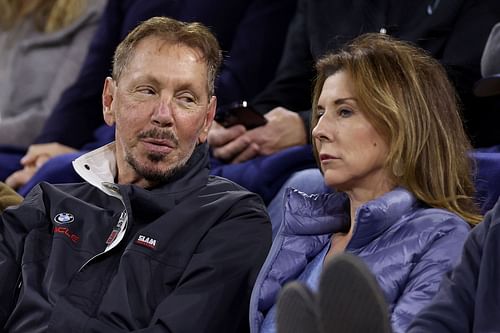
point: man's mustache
(159, 135)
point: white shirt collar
(98, 168)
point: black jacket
(182, 257)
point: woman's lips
(327, 157)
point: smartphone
(239, 114)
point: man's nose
(163, 114)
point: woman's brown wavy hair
(406, 95)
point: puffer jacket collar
(329, 213)
(376, 216)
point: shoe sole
(350, 299)
(296, 310)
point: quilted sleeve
(441, 255)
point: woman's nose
(319, 131)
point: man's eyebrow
(142, 79)
(147, 78)
(186, 86)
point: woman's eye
(345, 113)
(320, 113)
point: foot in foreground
(349, 300)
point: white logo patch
(146, 241)
(64, 218)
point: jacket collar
(98, 168)
(376, 216)
(325, 214)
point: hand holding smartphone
(239, 114)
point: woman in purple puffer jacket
(389, 139)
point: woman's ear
(107, 101)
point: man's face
(161, 109)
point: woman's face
(351, 152)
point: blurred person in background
(43, 44)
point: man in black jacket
(150, 242)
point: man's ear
(209, 118)
(107, 101)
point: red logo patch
(66, 232)
(112, 237)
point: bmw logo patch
(64, 218)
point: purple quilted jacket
(406, 244)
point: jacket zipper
(119, 229)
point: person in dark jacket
(396, 158)
(149, 242)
